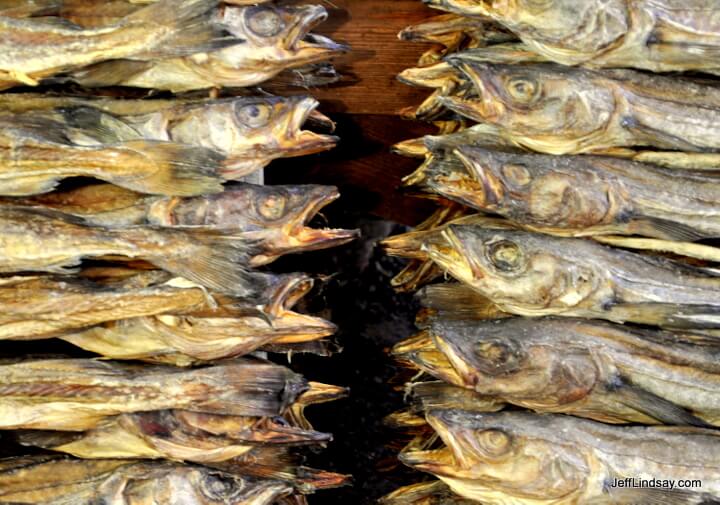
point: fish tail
(167, 168)
(246, 389)
(209, 258)
(183, 28)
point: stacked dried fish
(572, 357)
(157, 266)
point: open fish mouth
(438, 462)
(308, 48)
(308, 238)
(304, 142)
(491, 192)
(449, 253)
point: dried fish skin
(656, 35)
(249, 132)
(119, 482)
(36, 154)
(275, 218)
(42, 240)
(76, 394)
(606, 372)
(566, 110)
(37, 307)
(175, 435)
(516, 457)
(584, 194)
(189, 340)
(33, 49)
(538, 275)
(276, 38)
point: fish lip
(425, 461)
(285, 293)
(304, 142)
(491, 193)
(308, 47)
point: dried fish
(523, 458)
(536, 275)
(77, 394)
(606, 372)
(275, 38)
(48, 480)
(425, 493)
(564, 110)
(36, 48)
(657, 35)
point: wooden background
(366, 110)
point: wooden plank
(371, 28)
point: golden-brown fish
(523, 458)
(657, 35)
(35, 48)
(77, 394)
(176, 435)
(564, 110)
(33, 239)
(610, 373)
(274, 217)
(275, 38)
(50, 480)
(535, 275)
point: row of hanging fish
(150, 272)
(569, 325)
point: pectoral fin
(668, 315)
(652, 405)
(662, 228)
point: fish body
(655, 35)
(36, 153)
(584, 194)
(249, 132)
(176, 435)
(49, 480)
(564, 110)
(536, 275)
(75, 395)
(602, 371)
(275, 38)
(32, 49)
(34, 308)
(275, 218)
(523, 458)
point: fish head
(208, 487)
(540, 190)
(537, 100)
(283, 215)
(516, 360)
(494, 450)
(521, 272)
(578, 27)
(279, 36)
(423, 353)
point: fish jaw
(305, 48)
(299, 142)
(462, 367)
(436, 462)
(492, 189)
(297, 236)
(421, 351)
(450, 255)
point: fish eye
(523, 89)
(264, 21)
(254, 115)
(218, 486)
(496, 357)
(271, 207)
(494, 442)
(517, 174)
(505, 255)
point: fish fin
(652, 405)
(100, 125)
(108, 73)
(668, 315)
(662, 228)
(687, 161)
(46, 439)
(266, 463)
(457, 299)
(637, 127)
(172, 169)
(214, 260)
(190, 26)
(656, 496)
(440, 395)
